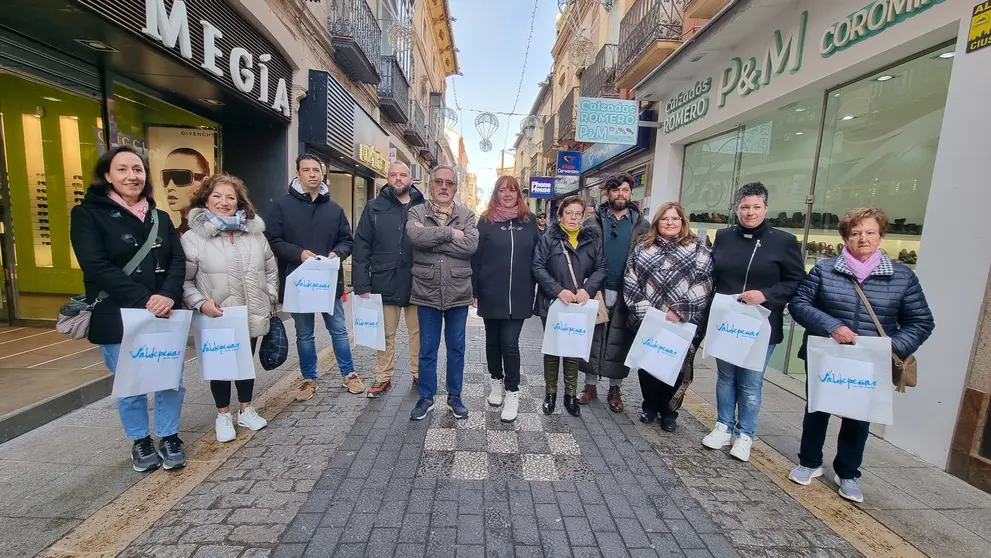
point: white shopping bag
(312, 287)
(152, 352)
(223, 345)
(738, 333)
(569, 329)
(852, 381)
(660, 346)
(368, 319)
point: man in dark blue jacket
(383, 264)
(305, 224)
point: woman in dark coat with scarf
(567, 239)
(671, 270)
(108, 229)
(828, 304)
(503, 285)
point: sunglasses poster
(181, 158)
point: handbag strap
(870, 309)
(141, 254)
(570, 267)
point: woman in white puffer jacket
(229, 263)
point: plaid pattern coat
(669, 276)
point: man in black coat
(383, 264)
(305, 224)
(620, 223)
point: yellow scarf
(572, 235)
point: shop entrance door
(50, 144)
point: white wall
(924, 418)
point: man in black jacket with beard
(303, 224)
(383, 264)
(619, 223)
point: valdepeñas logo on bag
(655, 346)
(833, 377)
(358, 322)
(569, 330)
(732, 329)
(220, 348)
(304, 283)
(151, 353)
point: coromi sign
(243, 67)
(209, 36)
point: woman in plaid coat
(671, 270)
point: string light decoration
(486, 124)
(401, 35)
(450, 118)
(526, 56)
(529, 126)
(581, 48)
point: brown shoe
(615, 400)
(306, 390)
(353, 383)
(588, 395)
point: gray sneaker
(804, 475)
(850, 489)
(143, 456)
(171, 449)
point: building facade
(203, 86)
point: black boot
(571, 405)
(550, 400)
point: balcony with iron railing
(566, 118)
(535, 165)
(430, 151)
(550, 139)
(415, 132)
(703, 9)
(599, 79)
(357, 39)
(649, 32)
(393, 91)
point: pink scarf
(861, 270)
(500, 213)
(139, 209)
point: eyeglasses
(181, 177)
(866, 234)
(572, 213)
(670, 219)
(442, 182)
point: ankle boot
(571, 405)
(550, 401)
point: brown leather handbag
(904, 372)
(602, 314)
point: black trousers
(657, 395)
(221, 390)
(502, 351)
(849, 448)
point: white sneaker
(251, 420)
(719, 438)
(511, 407)
(741, 447)
(225, 428)
(497, 393)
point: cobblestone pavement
(342, 475)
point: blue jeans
(337, 325)
(134, 410)
(454, 322)
(736, 385)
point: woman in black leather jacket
(827, 305)
(566, 239)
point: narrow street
(343, 475)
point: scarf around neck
(139, 209)
(861, 270)
(441, 213)
(228, 223)
(500, 213)
(572, 235)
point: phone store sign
(239, 67)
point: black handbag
(274, 348)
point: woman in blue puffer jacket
(827, 305)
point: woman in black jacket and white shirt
(108, 229)
(566, 240)
(503, 285)
(760, 265)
